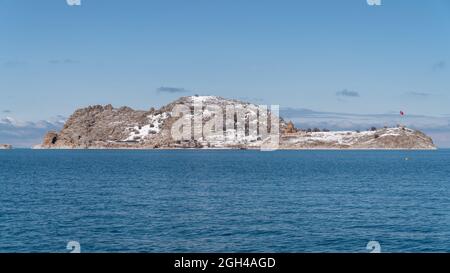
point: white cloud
(21, 133)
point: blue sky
(330, 56)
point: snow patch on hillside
(348, 137)
(141, 132)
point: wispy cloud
(251, 99)
(13, 63)
(7, 111)
(165, 89)
(441, 65)
(418, 94)
(347, 93)
(63, 61)
(27, 133)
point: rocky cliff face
(108, 127)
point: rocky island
(5, 146)
(106, 127)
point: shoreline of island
(231, 149)
(105, 127)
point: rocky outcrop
(386, 138)
(5, 146)
(106, 127)
(290, 128)
(50, 138)
(95, 126)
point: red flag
(402, 113)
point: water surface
(224, 201)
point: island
(5, 146)
(106, 127)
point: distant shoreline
(236, 149)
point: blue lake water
(224, 201)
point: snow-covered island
(5, 146)
(385, 138)
(106, 127)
